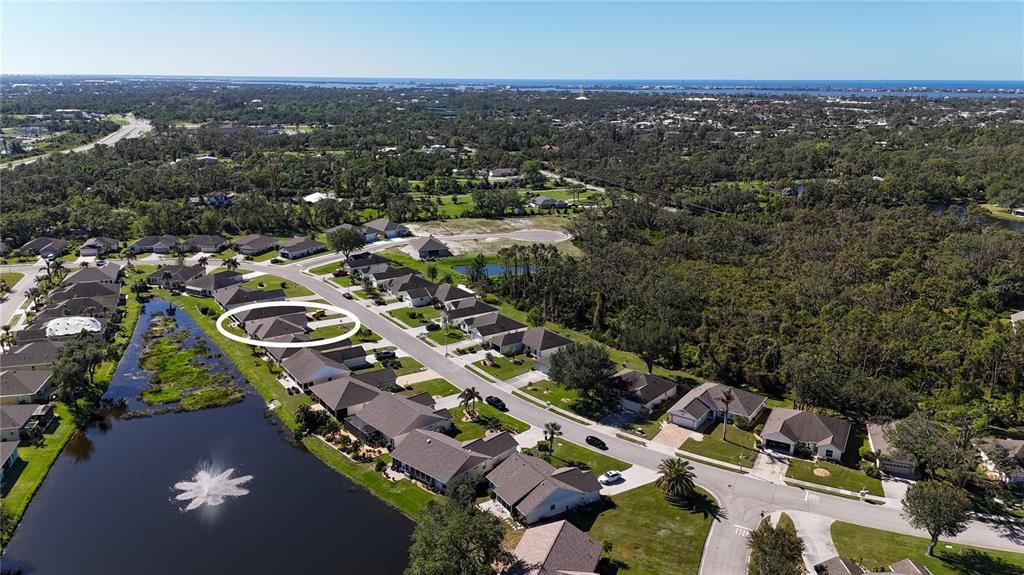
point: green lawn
(839, 476)
(875, 548)
(269, 282)
(329, 331)
(446, 336)
(365, 335)
(649, 535)
(507, 368)
(409, 365)
(473, 430)
(345, 281)
(266, 256)
(569, 454)
(21, 483)
(326, 268)
(546, 390)
(437, 386)
(11, 278)
(740, 448)
(415, 316)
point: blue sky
(623, 40)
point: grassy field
(21, 483)
(839, 476)
(326, 268)
(329, 331)
(568, 454)
(409, 365)
(269, 282)
(11, 278)
(506, 368)
(649, 535)
(266, 256)
(1002, 213)
(437, 386)
(446, 336)
(875, 548)
(415, 316)
(740, 448)
(473, 430)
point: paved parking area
(673, 436)
(770, 466)
(631, 479)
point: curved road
(133, 129)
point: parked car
(609, 477)
(433, 326)
(385, 354)
(101, 263)
(596, 442)
(339, 273)
(346, 295)
(496, 403)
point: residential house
(172, 276)
(547, 203)
(541, 343)
(532, 489)
(352, 357)
(343, 396)
(705, 403)
(209, 284)
(308, 367)
(98, 306)
(24, 421)
(369, 236)
(208, 244)
(300, 247)
(8, 456)
(557, 548)
(385, 227)
(1009, 451)
(795, 432)
(218, 200)
(490, 325)
(459, 312)
(428, 248)
(98, 246)
(446, 294)
(384, 379)
(86, 289)
(31, 355)
(412, 288)
(279, 354)
(502, 173)
(380, 274)
(838, 566)
(236, 296)
(255, 244)
(388, 417)
(24, 385)
(357, 263)
(437, 460)
(277, 326)
(909, 567)
(644, 392)
(45, 246)
(155, 244)
(890, 460)
(506, 343)
(108, 274)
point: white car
(609, 477)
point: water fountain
(208, 487)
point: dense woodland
(850, 294)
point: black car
(596, 442)
(385, 354)
(496, 403)
(346, 295)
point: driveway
(770, 466)
(815, 530)
(632, 478)
(674, 436)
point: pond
(960, 210)
(491, 270)
(109, 505)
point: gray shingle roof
(427, 244)
(178, 273)
(394, 415)
(344, 392)
(215, 281)
(238, 295)
(708, 396)
(838, 566)
(493, 323)
(447, 292)
(256, 242)
(306, 365)
(525, 481)
(556, 548)
(805, 426)
(469, 308)
(436, 455)
(107, 273)
(909, 567)
(22, 381)
(88, 289)
(543, 339)
(644, 387)
(16, 416)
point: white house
(706, 403)
(541, 343)
(437, 460)
(1011, 451)
(802, 432)
(98, 246)
(890, 460)
(532, 489)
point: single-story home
(532, 489)
(890, 460)
(447, 294)
(383, 379)
(300, 247)
(37, 354)
(308, 367)
(490, 325)
(385, 227)
(466, 309)
(209, 284)
(208, 244)
(644, 392)
(87, 289)
(24, 421)
(705, 403)
(353, 357)
(428, 248)
(368, 235)
(8, 456)
(173, 275)
(281, 325)
(909, 567)
(45, 246)
(343, 396)
(554, 549)
(388, 417)
(794, 431)
(548, 203)
(384, 273)
(24, 385)
(541, 343)
(1010, 451)
(108, 274)
(359, 262)
(98, 246)
(437, 460)
(502, 173)
(235, 296)
(155, 244)
(838, 566)
(97, 306)
(255, 244)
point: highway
(133, 129)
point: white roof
(315, 197)
(72, 325)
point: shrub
(870, 469)
(741, 422)
(866, 453)
(380, 466)
(758, 429)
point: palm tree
(675, 479)
(727, 398)
(138, 287)
(552, 429)
(5, 337)
(231, 264)
(468, 398)
(129, 255)
(34, 293)
(85, 265)
(203, 260)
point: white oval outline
(295, 344)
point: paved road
(743, 498)
(16, 297)
(133, 129)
